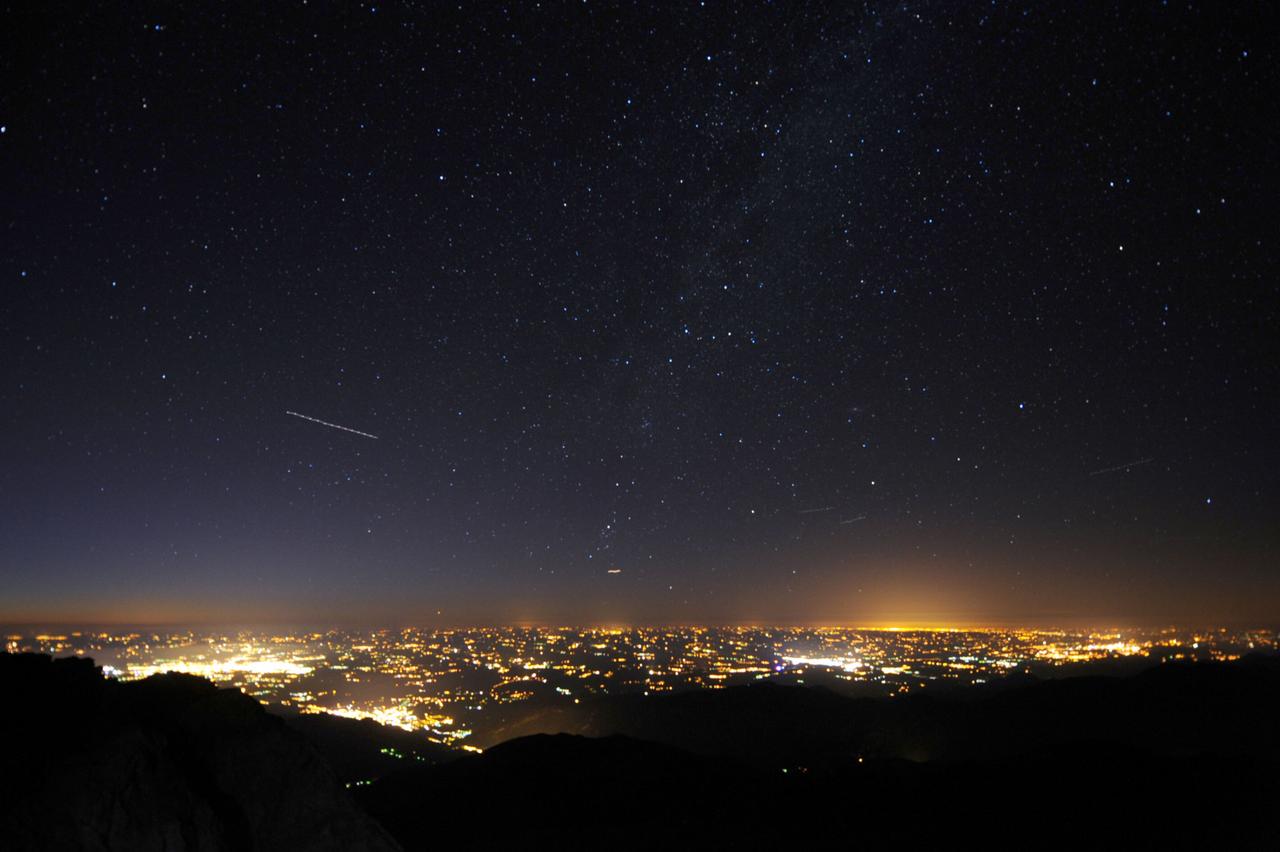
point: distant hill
(1186, 756)
(568, 792)
(1175, 709)
(361, 749)
(168, 763)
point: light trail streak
(333, 425)
(1125, 466)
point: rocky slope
(169, 763)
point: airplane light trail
(332, 425)
(1125, 466)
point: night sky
(865, 313)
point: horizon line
(887, 626)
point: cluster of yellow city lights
(841, 663)
(218, 670)
(442, 683)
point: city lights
(449, 684)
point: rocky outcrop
(169, 763)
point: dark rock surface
(168, 763)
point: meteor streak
(333, 425)
(1125, 466)
(812, 511)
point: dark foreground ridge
(1186, 756)
(167, 763)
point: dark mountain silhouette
(361, 749)
(1174, 708)
(569, 792)
(562, 791)
(1181, 755)
(167, 763)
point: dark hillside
(361, 749)
(1186, 756)
(167, 763)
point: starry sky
(686, 312)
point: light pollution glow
(220, 669)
